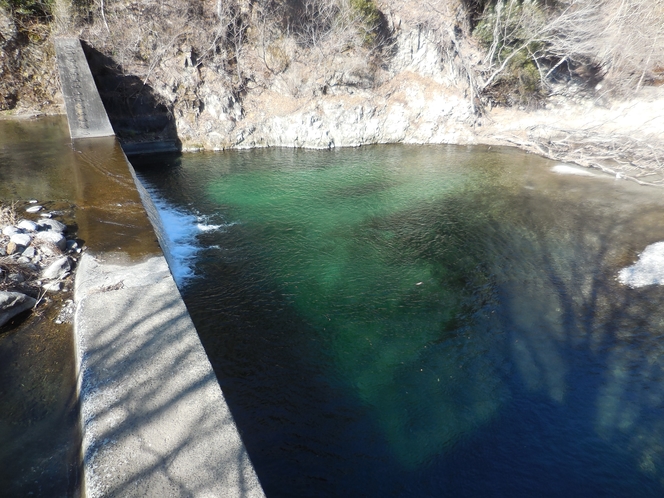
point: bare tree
(621, 38)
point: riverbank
(621, 137)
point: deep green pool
(424, 321)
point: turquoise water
(424, 321)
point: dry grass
(8, 214)
(9, 266)
(637, 159)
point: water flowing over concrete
(153, 417)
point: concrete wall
(154, 420)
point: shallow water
(424, 321)
(89, 183)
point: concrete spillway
(85, 111)
(153, 417)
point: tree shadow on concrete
(138, 115)
(153, 416)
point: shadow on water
(136, 112)
(582, 357)
(459, 334)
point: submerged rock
(52, 286)
(13, 303)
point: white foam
(207, 228)
(179, 234)
(648, 270)
(564, 169)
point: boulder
(10, 230)
(57, 270)
(52, 225)
(13, 303)
(16, 278)
(27, 225)
(53, 237)
(21, 239)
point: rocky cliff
(385, 72)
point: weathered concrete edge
(86, 114)
(136, 347)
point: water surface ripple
(426, 321)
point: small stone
(23, 260)
(27, 225)
(60, 268)
(49, 250)
(17, 278)
(13, 303)
(14, 248)
(3, 251)
(10, 230)
(52, 225)
(46, 215)
(53, 237)
(29, 252)
(33, 209)
(33, 201)
(21, 239)
(52, 286)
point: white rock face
(648, 270)
(420, 98)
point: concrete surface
(154, 420)
(85, 112)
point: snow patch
(648, 270)
(564, 169)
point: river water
(424, 320)
(88, 185)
